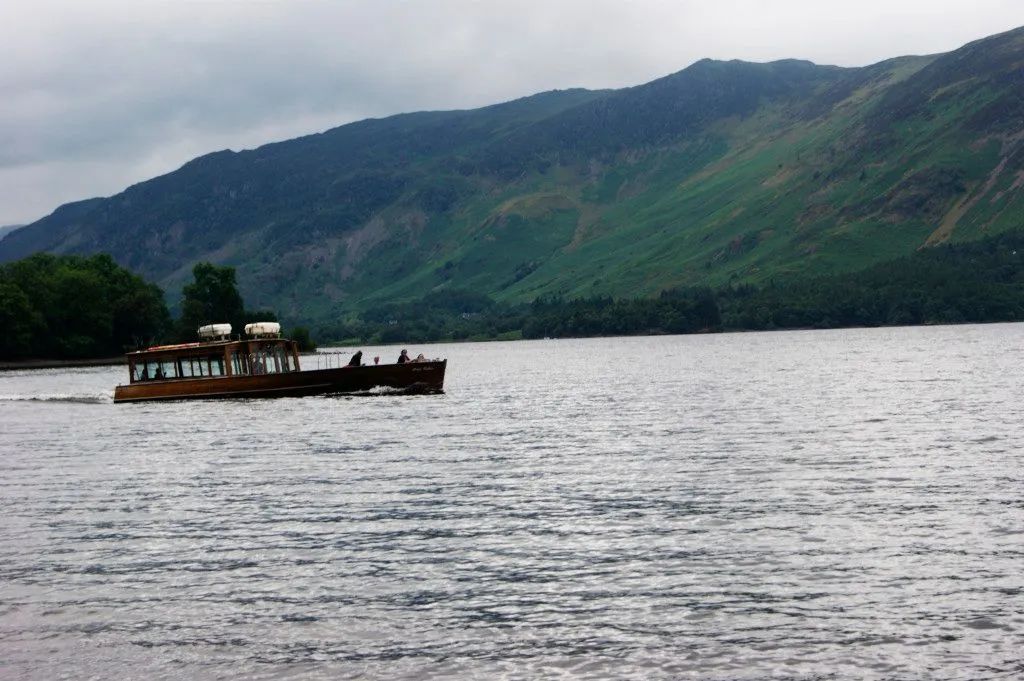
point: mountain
(7, 229)
(723, 172)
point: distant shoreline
(60, 363)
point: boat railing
(328, 360)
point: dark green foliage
(442, 315)
(212, 298)
(974, 282)
(24, 326)
(461, 315)
(72, 307)
(300, 335)
(678, 311)
(258, 316)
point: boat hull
(414, 377)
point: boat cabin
(262, 351)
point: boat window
(148, 371)
(273, 361)
(167, 369)
(291, 361)
(217, 365)
(283, 358)
(265, 361)
(239, 367)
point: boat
(260, 363)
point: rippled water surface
(805, 505)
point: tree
(22, 325)
(300, 334)
(76, 307)
(211, 299)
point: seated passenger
(420, 358)
(404, 357)
(357, 359)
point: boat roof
(201, 346)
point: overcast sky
(96, 95)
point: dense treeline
(77, 307)
(462, 315)
(73, 307)
(975, 282)
(444, 315)
(679, 311)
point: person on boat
(357, 359)
(258, 367)
(404, 357)
(420, 358)
(376, 359)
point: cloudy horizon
(104, 95)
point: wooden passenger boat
(260, 364)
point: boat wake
(382, 391)
(73, 399)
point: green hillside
(726, 172)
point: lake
(789, 505)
